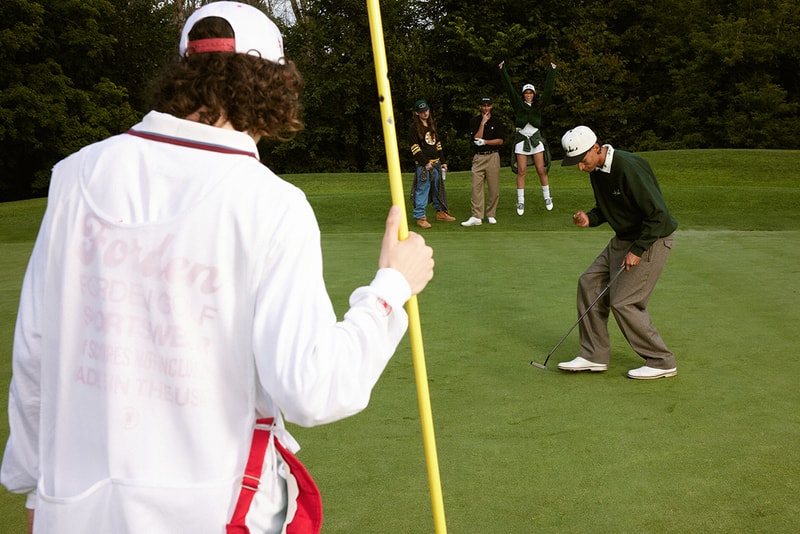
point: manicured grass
(520, 449)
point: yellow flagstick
(414, 329)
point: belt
(486, 152)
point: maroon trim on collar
(190, 144)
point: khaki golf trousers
(627, 299)
(485, 169)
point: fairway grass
(524, 450)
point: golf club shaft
(597, 298)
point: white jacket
(174, 294)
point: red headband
(203, 46)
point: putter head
(539, 365)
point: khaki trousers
(627, 299)
(485, 170)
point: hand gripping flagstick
(415, 334)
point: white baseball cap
(576, 143)
(254, 33)
(528, 86)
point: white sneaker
(492, 220)
(472, 221)
(548, 203)
(520, 208)
(649, 373)
(582, 364)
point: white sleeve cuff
(391, 286)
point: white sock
(521, 196)
(546, 191)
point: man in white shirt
(174, 313)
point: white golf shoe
(472, 221)
(548, 203)
(492, 220)
(582, 364)
(649, 373)
(520, 208)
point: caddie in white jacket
(175, 295)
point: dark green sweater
(629, 199)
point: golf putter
(597, 298)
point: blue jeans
(427, 191)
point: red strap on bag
(308, 516)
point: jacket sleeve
(315, 368)
(595, 215)
(413, 141)
(514, 96)
(20, 469)
(549, 85)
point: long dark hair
(421, 129)
(256, 96)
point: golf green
(521, 449)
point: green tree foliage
(338, 118)
(646, 75)
(146, 34)
(332, 48)
(55, 90)
(738, 82)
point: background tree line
(666, 74)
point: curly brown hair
(256, 96)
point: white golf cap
(254, 33)
(576, 143)
(528, 86)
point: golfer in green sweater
(628, 198)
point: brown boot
(423, 223)
(444, 216)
